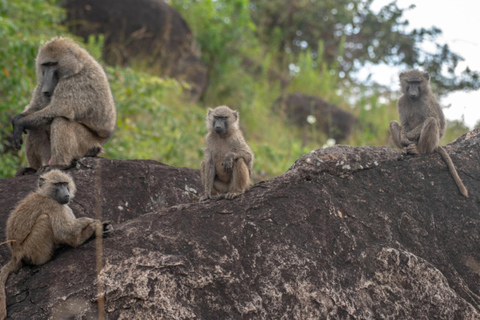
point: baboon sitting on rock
(43, 221)
(423, 123)
(228, 160)
(72, 112)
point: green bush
(155, 119)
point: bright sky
(460, 22)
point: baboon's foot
(411, 149)
(232, 195)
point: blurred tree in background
(368, 36)
(256, 51)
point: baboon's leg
(74, 233)
(203, 177)
(220, 187)
(429, 137)
(37, 148)
(240, 179)
(202, 172)
(39, 245)
(71, 140)
(395, 132)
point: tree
(370, 37)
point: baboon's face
(414, 89)
(222, 120)
(220, 124)
(57, 185)
(57, 59)
(414, 83)
(61, 193)
(49, 77)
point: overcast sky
(460, 22)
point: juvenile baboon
(72, 112)
(423, 122)
(41, 222)
(228, 160)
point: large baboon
(423, 122)
(72, 112)
(228, 160)
(41, 222)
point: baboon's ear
(402, 75)
(209, 111)
(427, 76)
(235, 114)
(72, 63)
(41, 182)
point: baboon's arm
(404, 136)
(44, 116)
(37, 119)
(247, 155)
(37, 102)
(74, 232)
(414, 134)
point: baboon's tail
(461, 187)
(10, 267)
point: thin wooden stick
(99, 241)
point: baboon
(228, 160)
(72, 112)
(43, 221)
(423, 122)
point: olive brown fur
(72, 111)
(228, 160)
(422, 121)
(41, 222)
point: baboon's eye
(50, 64)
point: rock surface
(146, 32)
(345, 233)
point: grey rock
(346, 233)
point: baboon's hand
(17, 137)
(18, 129)
(227, 163)
(107, 227)
(412, 136)
(404, 141)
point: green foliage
(254, 55)
(24, 25)
(370, 37)
(225, 35)
(153, 122)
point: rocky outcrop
(141, 32)
(345, 233)
(304, 111)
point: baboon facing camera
(228, 160)
(72, 112)
(43, 221)
(423, 123)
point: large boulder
(345, 233)
(141, 32)
(326, 117)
